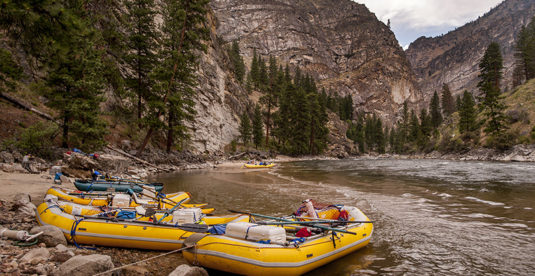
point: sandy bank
(34, 184)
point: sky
(410, 19)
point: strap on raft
(73, 234)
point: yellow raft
(253, 166)
(245, 257)
(137, 233)
(100, 199)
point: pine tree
(458, 102)
(237, 61)
(272, 90)
(414, 127)
(183, 33)
(426, 125)
(525, 54)
(245, 128)
(467, 113)
(74, 83)
(258, 132)
(380, 140)
(434, 109)
(491, 67)
(448, 103)
(140, 56)
(255, 70)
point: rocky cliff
(219, 101)
(340, 43)
(454, 58)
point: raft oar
(171, 211)
(190, 227)
(307, 222)
(294, 222)
(319, 220)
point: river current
(431, 216)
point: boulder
(84, 265)
(135, 270)
(52, 235)
(11, 168)
(114, 163)
(80, 161)
(62, 256)
(35, 256)
(17, 156)
(6, 157)
(186, 270)
(21, 199)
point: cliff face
(219, 100)
(340, 43)
(454, 58)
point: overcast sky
(411, 19)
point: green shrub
(233, 146)
(37, 139)
(533, 134)
(502, 141)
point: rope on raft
(73, 234)
(144, 260)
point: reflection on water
(432, 216)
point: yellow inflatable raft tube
(134, 233)
(101, 199)
(253, 166)
(247, 257)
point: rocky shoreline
(54, 256)
(518, 153)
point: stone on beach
(85, 265)
(52, 235)
(35, 256)
(186, 270)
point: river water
(431, 216)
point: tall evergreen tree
(414, 127)
(255, 70)
(237, 61)
(467, 113)
(434, 109)
(272, 90)
(140, 56)
(183, 35)
(258, 132)
(448, 103)
(426, 125)
(525, 54)
(490, 67)
(245, 128)
(74, 84)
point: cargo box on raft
(255, 232)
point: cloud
(426, 17)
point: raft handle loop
(73, 234)
(51, 206)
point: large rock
(113, 163)
(11, 168)
(85, 265)
(22, 203)
(36, 256)
(80, 161)
(52, 235)
(62, 253)
(6, 157)
(135, 270)
(186, 270)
